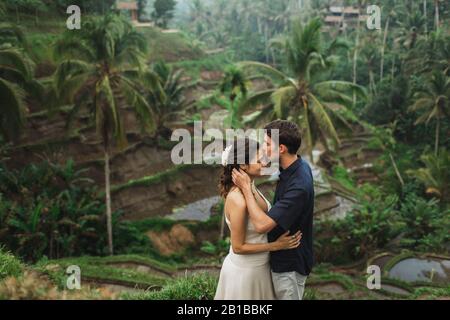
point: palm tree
(12, 96)
(234, 84)
(16, 74)
(433, 99)
(102, 65)
(437, 52)
(360, 4)
(411, 24)
(305, 99)
(435, 174)
(166, 96)
(199, 19)
(436, 14)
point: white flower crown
(226, 155)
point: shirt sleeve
(289, 208)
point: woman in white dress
(245, 273)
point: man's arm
(262, 222)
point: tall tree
(13, 67)
(164, 11)
(434, 102)
(101, 64)
(299, 94)
(436, 14)
(17, 81)
(436, 174)
(166, 97)
(234, 84)
(142, 9)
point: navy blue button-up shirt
(293, 210)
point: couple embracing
(271, 251)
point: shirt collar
(285, 173)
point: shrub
(218, 249)
(9, 265)
(371, 225)
(426, 226)
(47, 209)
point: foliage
(46, 209)
(16, 82)
(98, 269)
(197, 287)
(194, 68)
(247, 27)
(10, 266)
(435, 175)
(235, 85)
(102, 60)
(300, 95)
(342, 176)
(142, 13)
(169, 47)
(218, 249)
(102, 66)
(383, 222)
(434, 102)
(426, 224)
(163, 12)
(34, 286)
(167, 97)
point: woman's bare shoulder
(236, 199)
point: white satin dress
(246, 277)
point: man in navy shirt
(292, 210)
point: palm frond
(282, 99)
(12, 105)
(341, 86)
(255, 100)
(323, 120)
(263, 68)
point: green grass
(169, 46)
(341, 175)
(394, 260)
(327, 277)
(157, 178)
(193, 68)
(99, 269)
(197, 287)
(431, 293)
(152, 262)
(10, 266)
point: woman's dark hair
(242, 151)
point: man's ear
(243, 167)
(283, 149)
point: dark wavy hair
(239, 154)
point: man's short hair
(289, 134)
